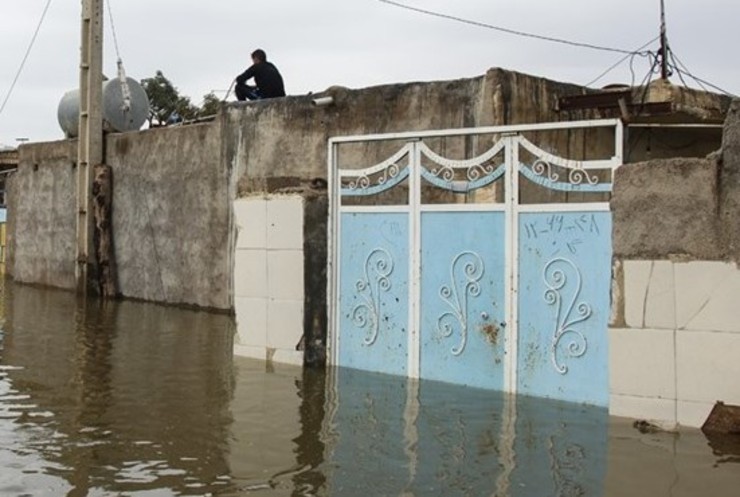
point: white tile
(708, 366)
(250, 352)
(251, 222)
(285, 222)
(636, 276)
(693, 414)
(250, 273)
(660, 311)
(285, 274)
(642, 363)
(251, 321)
(661, 412)
(284, 324)
(707, 296)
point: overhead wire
(504, 29)
(631, 56)
(628, 54)
(25, 57)
(681, 67)
(677, 69)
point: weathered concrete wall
(729, 180)
(172, 221)
(667, 208)
(42, 207)
(172, 215)
(287, 138)
(684, 208)
(316, 215)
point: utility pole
(663, 43)
(90, 144)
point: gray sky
(201, 45)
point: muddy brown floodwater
(132, 399)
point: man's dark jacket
(267, 77)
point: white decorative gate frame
(498, 291)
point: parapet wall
(281, 143)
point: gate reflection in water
(134, 399)
(430, 438)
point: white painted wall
(680, 350)
(268, 277)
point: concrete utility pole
(90, 145)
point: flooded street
(133, 399)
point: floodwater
(132, 399)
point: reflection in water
(142, 400)
(121, 397)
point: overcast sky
(201, 45)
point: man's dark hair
(260, 55)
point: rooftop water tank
(115, 114)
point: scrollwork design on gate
(377, 271)
(466, 271)
(578, 175)
(473, 173)
(463, 175)
(364, 182)
(564, 284)
(378, 178)
(544, 168)
(547, 170)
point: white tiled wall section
(680, 352)
(702, 296)
(268, 277)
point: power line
(667, 55)
(698, 79)
(25, 57)
(632, 55)
(506, 30)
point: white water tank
(115, 114)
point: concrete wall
(287, 138)
(675, 331)
(42, 207)
(172, 215)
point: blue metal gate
(476, 271)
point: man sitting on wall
(266, 76)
